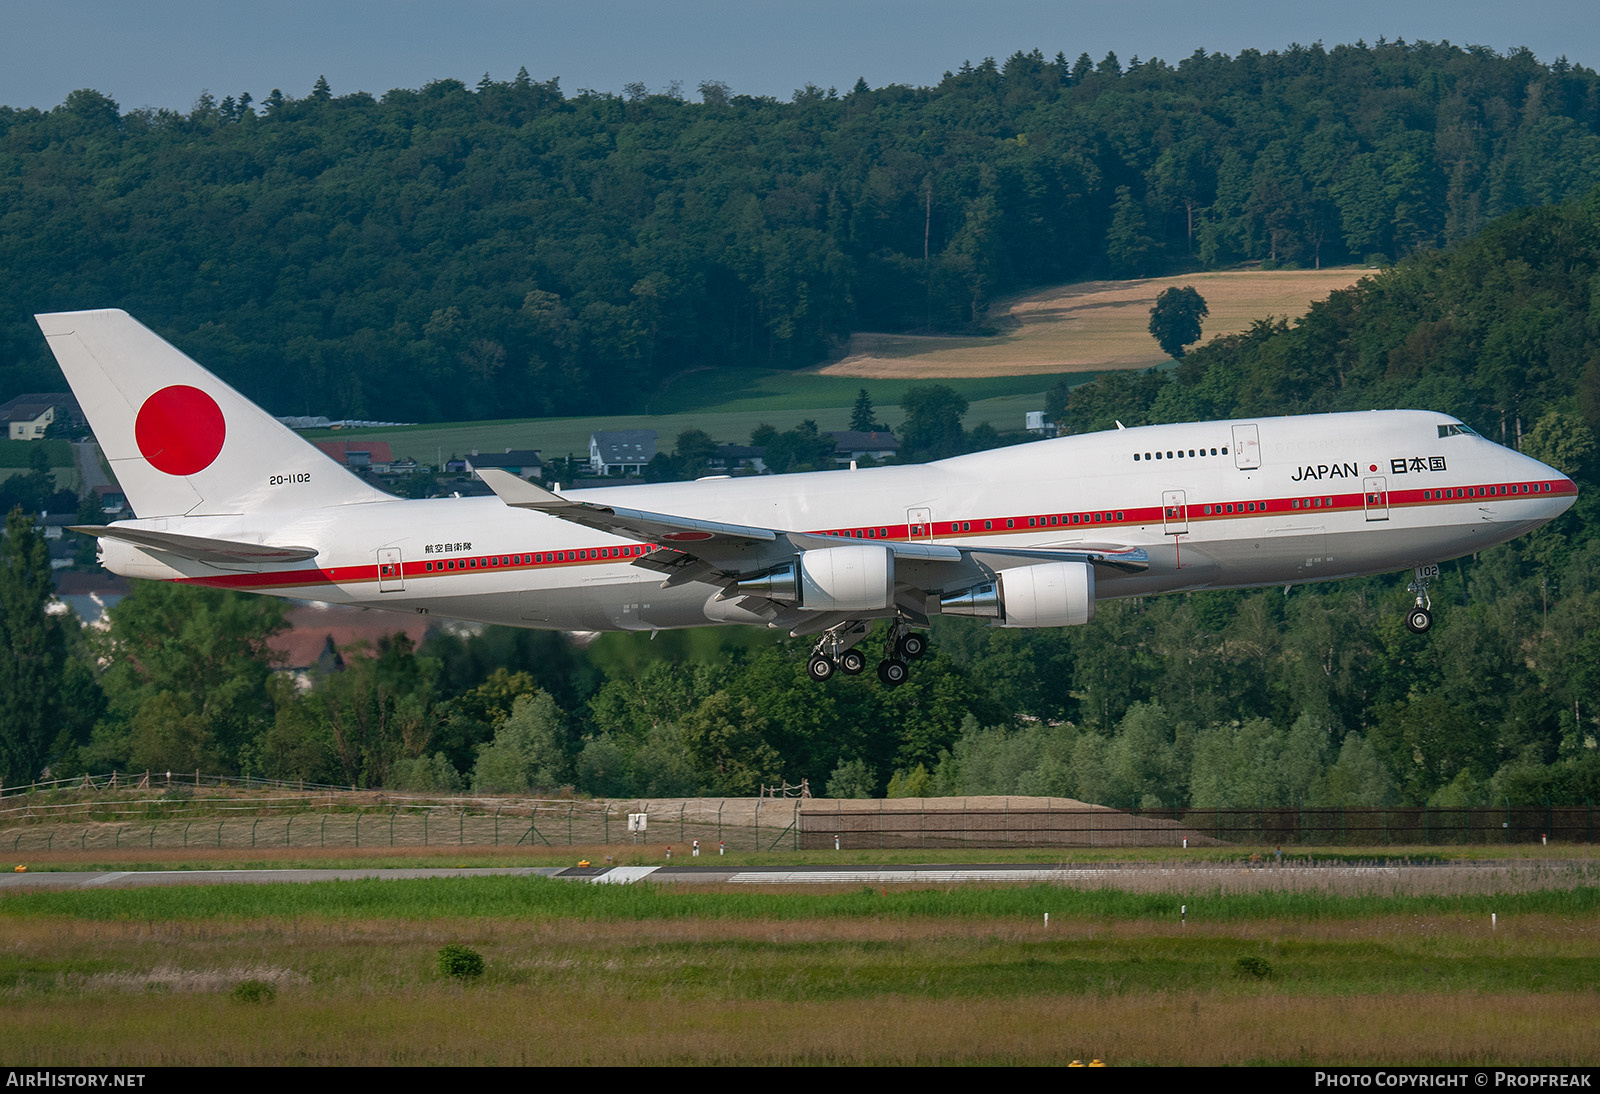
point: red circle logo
(179, 430)
(1372, 467)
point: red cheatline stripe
(942, 529)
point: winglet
(520, 493)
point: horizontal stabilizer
(199, 548)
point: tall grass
(545, 898)
(1416, 988)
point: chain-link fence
(167, 812)
(199, 813)
(1033, 822)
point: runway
(129, 879)
(1163, 877)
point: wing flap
(1126, 559)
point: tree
(726, 738)
(851, 779)
(1560, 440)
(803, 448)
(863, 418)
(1175, 320)
(30, 491)
(1128, 247)
(932, 428)
(181, 651)
(695, 449)
(529, 750)
(40, 684)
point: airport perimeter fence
(126, 815)
(880, 824)
(199, 812)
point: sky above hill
(163, 53)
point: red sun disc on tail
(179, 430)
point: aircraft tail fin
(180, 441)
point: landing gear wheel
(820, 669)
(912, 646)
(1419, 619)
(893, 673)
(851, 662)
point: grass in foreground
(554, 899)
(646, 974)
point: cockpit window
(1456, 429)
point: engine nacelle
(1050, 594)
(857, 578)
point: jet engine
(857, 578)
(1049, 594)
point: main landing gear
(835, 652)
(1420, 618)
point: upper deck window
(1455, 429)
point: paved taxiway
(1139, 875)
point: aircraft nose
(1560, 483)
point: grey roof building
(27, 417)
(622, 451)
(852, 444)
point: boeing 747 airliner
(1027, 536)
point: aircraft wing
(200, 548)
(634, 523)
(719, 553)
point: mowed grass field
(1075, 331)
(727, 403)
(1088, 326)
(347, 973)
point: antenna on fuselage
(1119, 424)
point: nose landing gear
(1420, 618)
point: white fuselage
(1214, 505)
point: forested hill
(457, 252)
(1502, 330)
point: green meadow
(349, 973)
(727, 403)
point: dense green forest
(452, 252)
(1316, 696)
(462, 252)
